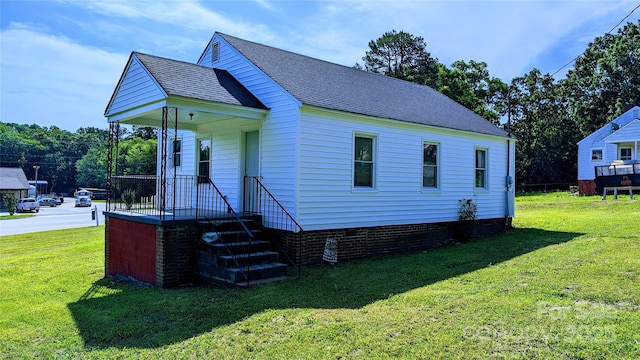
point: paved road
(65, 216)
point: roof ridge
(350, 68)
(172, 60)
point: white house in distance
(617, 141)
(311, 149)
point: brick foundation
(176, 255)
(164, 254)
(586, 187)
(159, 254)
(357, 243)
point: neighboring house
(318, 150)
(12, 181)
(617, 141)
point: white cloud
(186, 14)
(51, 80)
(266, 4)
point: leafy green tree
(604, 79)
(143, 132)
(16, 146)
(91, 169)
(139, 156)
(546, 146)
(404, 56)
(401, 55)
(470, 84)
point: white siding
(596, 140)
(136, 88)
(225, 158)
(307, 161)
(278, 131)
(628, 133)
(327, 198)
(184, 197)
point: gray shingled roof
(13, 179)
(328, 85)
(198, 82)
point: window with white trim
(430, 165)
(625, 154)
(204, 157)
(596, 154)
(176, 156)
(363, 161)
(481, 169)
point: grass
(15, 216)
(562, 284)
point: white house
(376, 163)
(618, 141)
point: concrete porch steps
(227, 254)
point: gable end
(136, 87)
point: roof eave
(396, 121)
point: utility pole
(36, 167)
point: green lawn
(15, 216)
(564, 284)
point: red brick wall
(586, 187)
(131, 249)
(359, 243)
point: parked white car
(27, 204)
(83, 201)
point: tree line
(548, 116)
(69, 160)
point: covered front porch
(207, 184)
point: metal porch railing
(277, 221)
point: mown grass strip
(562, 284)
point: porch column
(168, 113)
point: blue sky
(61, 60)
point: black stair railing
(275, 218)
(212, 205)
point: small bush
(468, 210)
(129, 197)
(10, 202)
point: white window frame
(437, 166)
(198, 140)
(601, 154)
(630, 157)
(476, 168)
(373, 162)
(176, 154)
